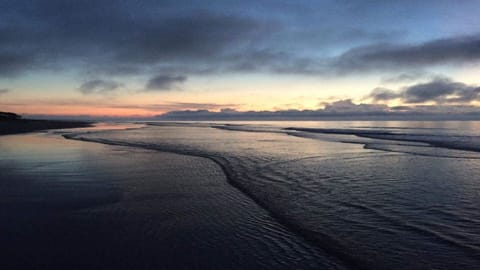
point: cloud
(12, 63)
(137, 37)
(407, 77)
(4, 91)
(347, 106)
(436, 90)
(377, 57)
(98, 86)
(164, 82)
(354, 112)
(465, 49)
(189, 37)
(336, 109)
(437, 109)
(439, 90)
(383, 94)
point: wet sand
(77, 205)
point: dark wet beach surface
(394, 195)
(409, 199)
(79, 205)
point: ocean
(368, 195)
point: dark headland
(11, 123)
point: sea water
(373, 195)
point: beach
(243, 195)
(371, 195)
(239, 135)
(78, 205)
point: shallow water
(77, 205)
(374, 195)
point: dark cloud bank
(152, 37)
(118, 37)
(464, 49)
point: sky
(147, 58)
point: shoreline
(338, 253)
(19, 126)
(139, 209)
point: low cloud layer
(438, 90)
(98, 87)
(341, 109)
(347, 106)
(425, 112)
(164, 82)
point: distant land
(12, 123)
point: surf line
(332, 247)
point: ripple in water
(374, 198)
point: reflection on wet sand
(77, 205)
